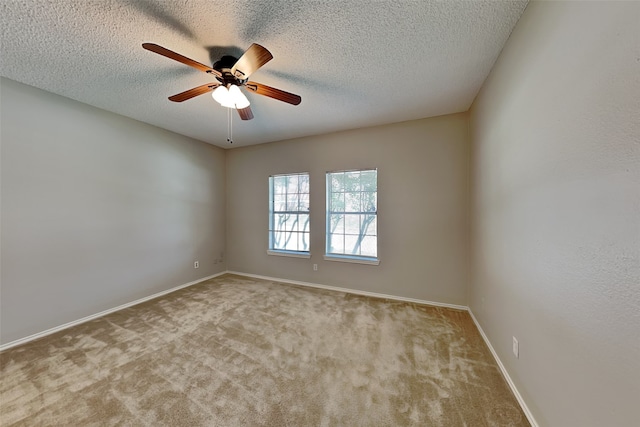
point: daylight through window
(289, 213)
(352, 210)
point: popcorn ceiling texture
(355, 63)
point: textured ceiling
(355, 63)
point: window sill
(290, 254)
(354, 260)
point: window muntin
(289, 213)
(352, 211)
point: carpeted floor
(235, 351)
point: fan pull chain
(229, 126)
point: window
(289, 214)
(352, 210)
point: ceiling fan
(231, 74)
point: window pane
(336, 243)
(352, 224)
(304, 202)
(279, 222)
(279, 184)
(352, 181)
(337, 202)
(336, 222)
(303, 242)
(292, 223)
(352, 202)
(369, 202)
(292, 202)
(351, 246)
(303, 222)
(278, 240)
(303, 183)
(292, 183)
(368, 181)
(337, 180)
(369, 246)
(291, 243)
(279, 203)
(371, 225)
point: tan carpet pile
(234, 351)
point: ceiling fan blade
(188, 94)
(254, 57)
(245, 113)
(180, 58)
(274, 93)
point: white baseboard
(102, 313)
(515, 391)
(352, 291)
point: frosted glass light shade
(230, 98)
(239, 99)
(223, 97)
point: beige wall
(556, 211)
(422, 209)
(98, 210)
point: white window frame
(273, 212)
(344, 257)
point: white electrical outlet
(196, 264)
(315, 267)
(516, 350)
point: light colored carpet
(235, 351)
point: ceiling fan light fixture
(222, 96)
(226, 89)
(231, 97)
(237, 97)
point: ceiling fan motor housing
(224, 65)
